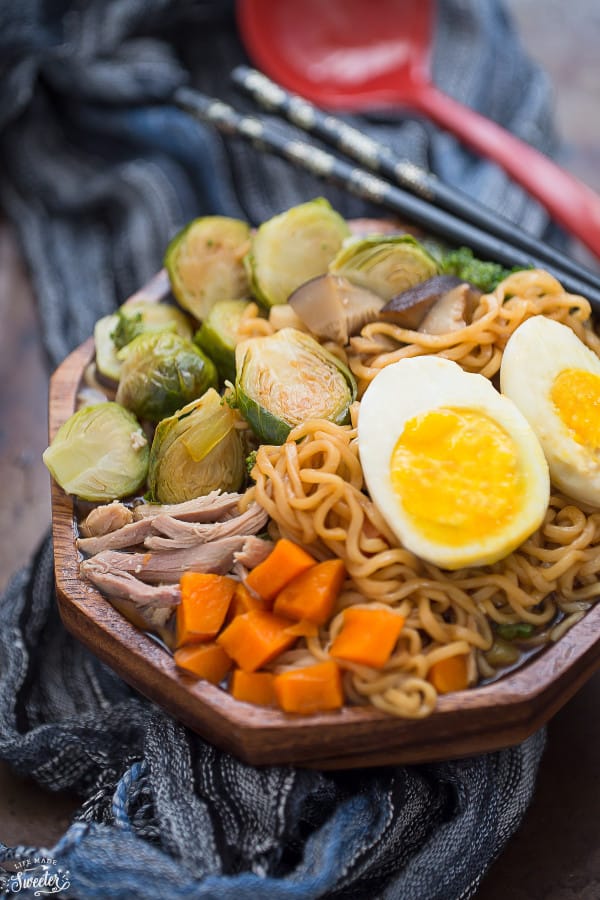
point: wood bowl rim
(477, 720)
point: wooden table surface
(556, 853)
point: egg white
(412, 387)
(536, 353)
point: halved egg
(453, 466)
(554, 379)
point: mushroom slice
(453, 311)
(409, 308)
(333, 308)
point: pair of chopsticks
(411, 192)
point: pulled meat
(211, 508)
(124, 586)
(105, 519)
(166, 566)
(175, 534)
(140, 562)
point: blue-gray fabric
(97, 171)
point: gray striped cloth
(97, 171)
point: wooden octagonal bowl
(480, 719)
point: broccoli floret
(484, 275)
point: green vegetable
(195, 451)
(484, 275)
(293, 247)
(100, 453)
(385, 264)
(501, 654)
(127, 328)
(161, 372)
(112, 333)
(251, 461)
(518, 631)
(218, 335)
(205, 263)
(286, 378)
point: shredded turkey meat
(166, 566)
(125, 586)
(213, 507)
(175, 534)
(105, 519)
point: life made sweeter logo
(33, 874)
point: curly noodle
(312, 487)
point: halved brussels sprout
(293, 247)
(112, 333)
(196, 451)
(386, 264)
(161, 372)
(218, 335)
(286, 378)
(100, 453)
(205, 263)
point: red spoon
(366, 54)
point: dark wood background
(556, 853)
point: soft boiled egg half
(452, 465)
(554, 379)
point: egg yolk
(457, 476)
(576, 397)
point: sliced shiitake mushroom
(410, 308)
(333, 308)
(452, 311)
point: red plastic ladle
(366, 54)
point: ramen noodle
(313, 489)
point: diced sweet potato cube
(243, 601)
(312, 594)
(303, 628)
(253, 687)
(205, 599)
(368, 636)
(255, 638)
(310, 689)
(208, 661)
(284, 562)
(450, 674)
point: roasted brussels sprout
(386, 264)
(162, 372)
(218, 335)
(196, 451)
(100, 453)
(286, 378)
(205, 263)
(293, 247)
(112, 333)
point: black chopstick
(384, 162)
(370, 187)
